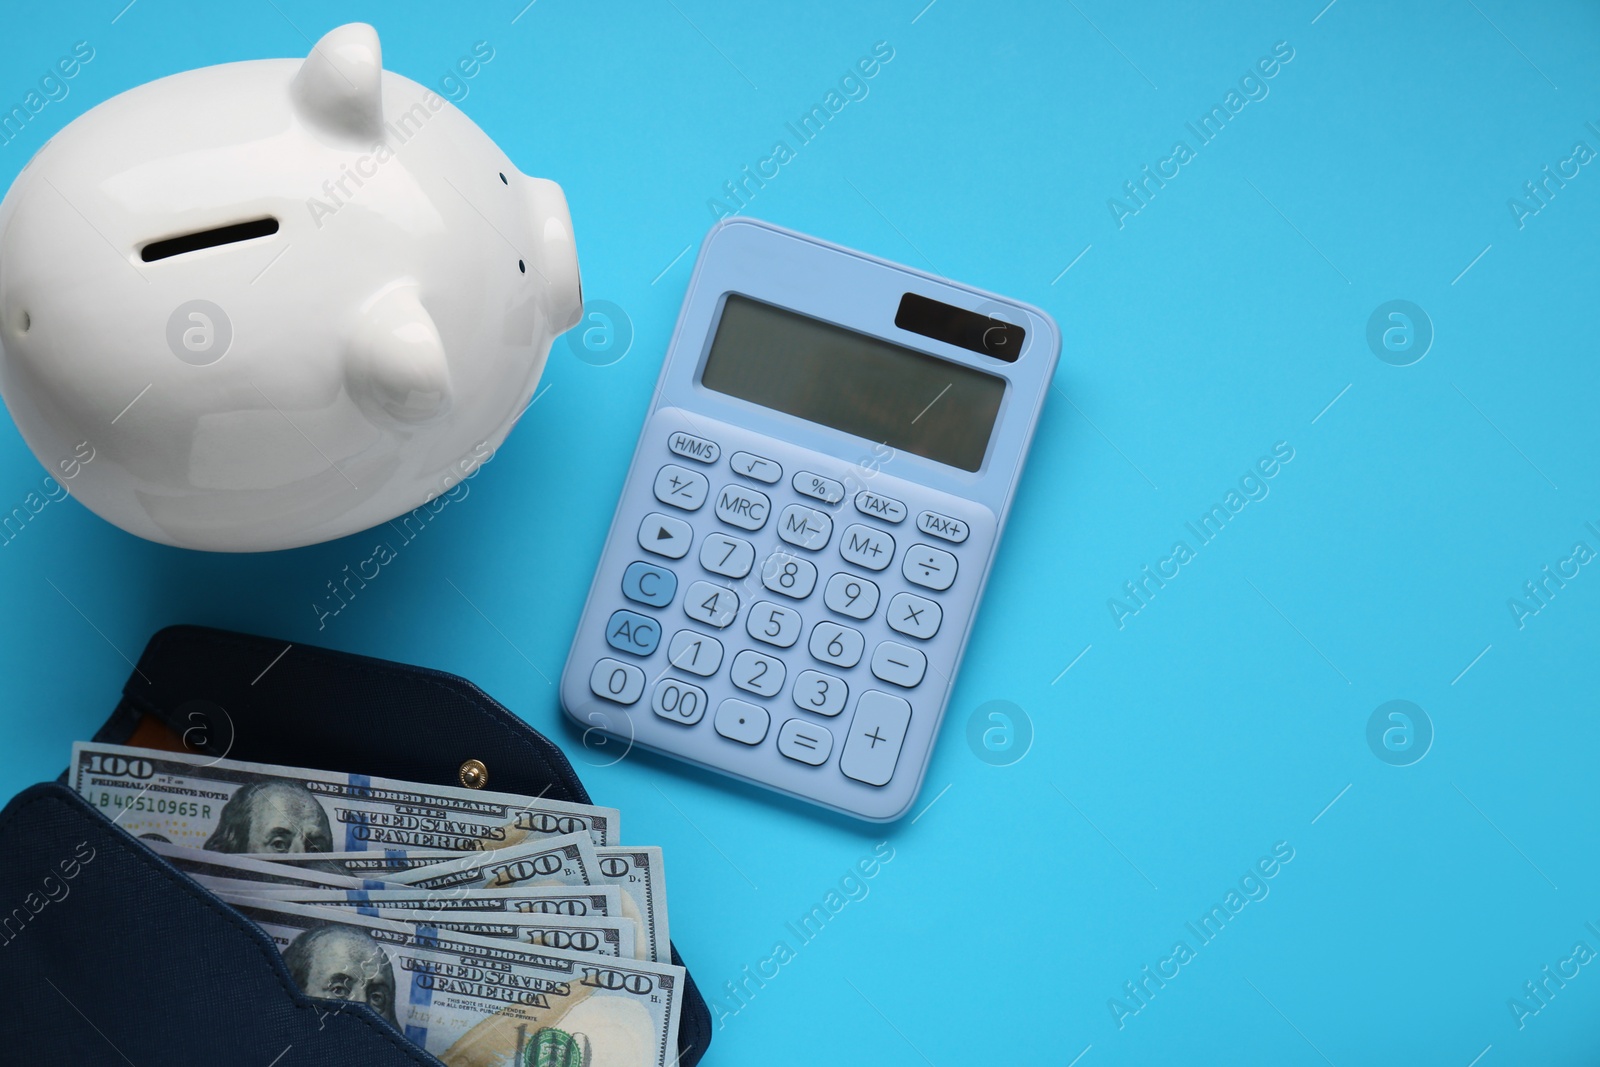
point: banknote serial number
(153, 805)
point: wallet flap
(113, 957)
(267, 701)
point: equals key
(805, 742)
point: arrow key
(665, 535)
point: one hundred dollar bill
(580, 919)
(364, 864)
(636, 871)
(208, 867)
(551, 861)
(476, 1002)
(639, 873)
(592, 935)
(562, 862)
(231, 806)
(599, 900)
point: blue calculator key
(886, 508)
(838, 645)
(817, 487)
(628, 631)
(665, 535)
(820, 693)
(866, 547)
(689, 446)
(649, 584)
(678, 701)
(914, 616)
(805, 742)
(900, 664)
(873, 746)
(744, 508)
(789, 575)
(713, 605)
(758, 467)
(681, 487)
(742, 721)
(757, 673)
(806, 527)
(731, 557)
(695, 653)
(614, 680)
(952, 530)
(932, 568)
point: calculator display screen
(853, 382)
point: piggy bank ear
(339, 87)
(395, 362)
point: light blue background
(1223, 318)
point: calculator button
(851, 595)
(900, 664)
(886, 508)
(697, 448)
(744, 508)
(789, 575)
(710, 604)
(678, 702)
(805, 527)
(757, 467)
(914, 616)
(648, 584)
(730, 556)
(820, 693)
(665, 535)
(865, 547)
(695, 653)
(817, 487)
(628, 631)
(835, 644)
(933, 568)
(931, 522)
(758, 674)
(681, 487)
(614, 680)
(805, 742)
(773, 623)
(873, 746)
(741, 721)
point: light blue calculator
(810, 518)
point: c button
(646, 583)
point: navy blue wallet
(109, 955)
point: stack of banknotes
(491, 928)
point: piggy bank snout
(558, 255)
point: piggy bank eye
(521, 266)
(503, 178)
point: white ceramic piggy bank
(280, 300)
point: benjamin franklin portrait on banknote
(272, 816)
(342, 963)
